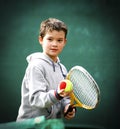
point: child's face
(53, 43)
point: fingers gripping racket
(86, 92)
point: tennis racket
(86, 93)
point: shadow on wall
(68, 126)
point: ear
(40, 40)
(65, 41)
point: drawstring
(53, 66)
(62, 71)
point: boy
(41, 94)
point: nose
(54, 43)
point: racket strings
(84, 88)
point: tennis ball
(69, 85)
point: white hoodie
(41, 79)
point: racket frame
(74, 101)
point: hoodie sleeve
(37, 85)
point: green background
(93, 42)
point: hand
(62, 86)
(69, 114)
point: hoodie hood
(39, 55)
(42, 56)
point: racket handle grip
(70, 108)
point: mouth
(54, 50)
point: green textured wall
(93, 42)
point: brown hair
(52, 24)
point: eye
(60, 40)
(49, 39)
